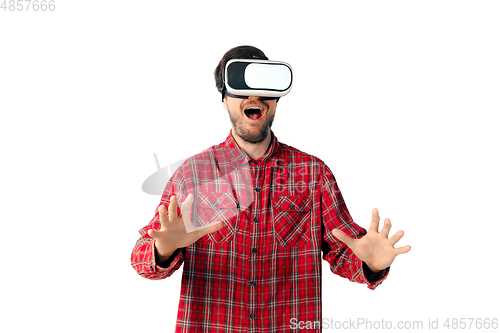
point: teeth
(254, 112)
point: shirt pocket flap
(216, 200)
(293, 203)
(213, 207)
(292, 218)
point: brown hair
(239, 52)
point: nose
(253, 97)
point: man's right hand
(172, 234)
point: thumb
(186, 208)
(340, 235)
(212, 227)
(153, 233)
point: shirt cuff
(167, 263)
(150, 268)
(373, 280)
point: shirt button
(151, 268)
(252, 283)
(255, 162)
(216, 205)
(254, 250)
(252, 316)
(257, 189)
(256, 220)
(292, 207)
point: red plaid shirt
(263, 268)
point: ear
(224, 105)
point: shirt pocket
(292, 216)
(216, 206)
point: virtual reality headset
(253, 77)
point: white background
(399, 98)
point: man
(260, 269)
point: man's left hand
(375, 248)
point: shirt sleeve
(335, 214)
(143, 255)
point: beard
(251, 134)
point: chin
(254, 137)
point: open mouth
(254, 112)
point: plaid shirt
(263, 267)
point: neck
(254, 150)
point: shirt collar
(238, 156)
